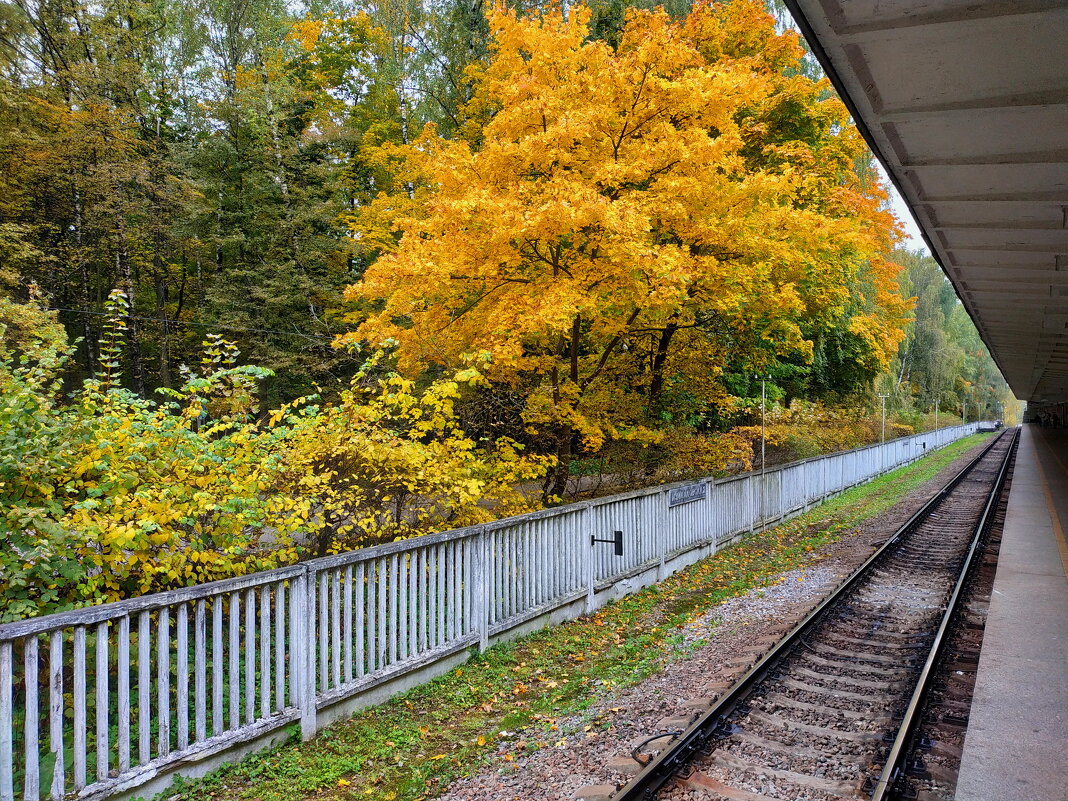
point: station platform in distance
(1016, 746)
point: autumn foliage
(629, 222)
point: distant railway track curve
(830, 711)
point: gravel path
(713, 650)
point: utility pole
(936, 413)
(882, 397)
(763, 399)
(763, 485)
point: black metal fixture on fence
(617, 541)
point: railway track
(829, 712)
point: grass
(529, 694)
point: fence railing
(100, 701)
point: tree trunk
(160, 281)
(133, 334)
(656, 382)
(220, 233)
(555, 484)
(901, 371)
(83, 290)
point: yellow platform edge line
(1058, 530)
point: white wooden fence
(102, 701)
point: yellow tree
(621, 209)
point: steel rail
(899, 751)
(662, 767)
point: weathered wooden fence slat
(265, 653)
(182, 675)
(382, 607)
(31, 777)
(419, 557)
(279, 646)
(123, 644)
(346, 624)
(371, 584)
(324, 632)
(235, 661)
(217, 724)
(163, 679)
(55, 714)
(200, 672)
(250, 656)
(394, 592)
(103, 732)
(144, 689)
(79, 708)
(7, 722)
(361, 593)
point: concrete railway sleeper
(830, 712)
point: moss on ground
(411, 747)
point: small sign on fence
(691, 492)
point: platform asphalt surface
(1016, 748)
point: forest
(279, 280)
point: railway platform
(1016, 747)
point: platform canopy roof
(966, 104)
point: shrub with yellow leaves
(125, 496)
(112, 495)
(389, 461)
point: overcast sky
(913, 240)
